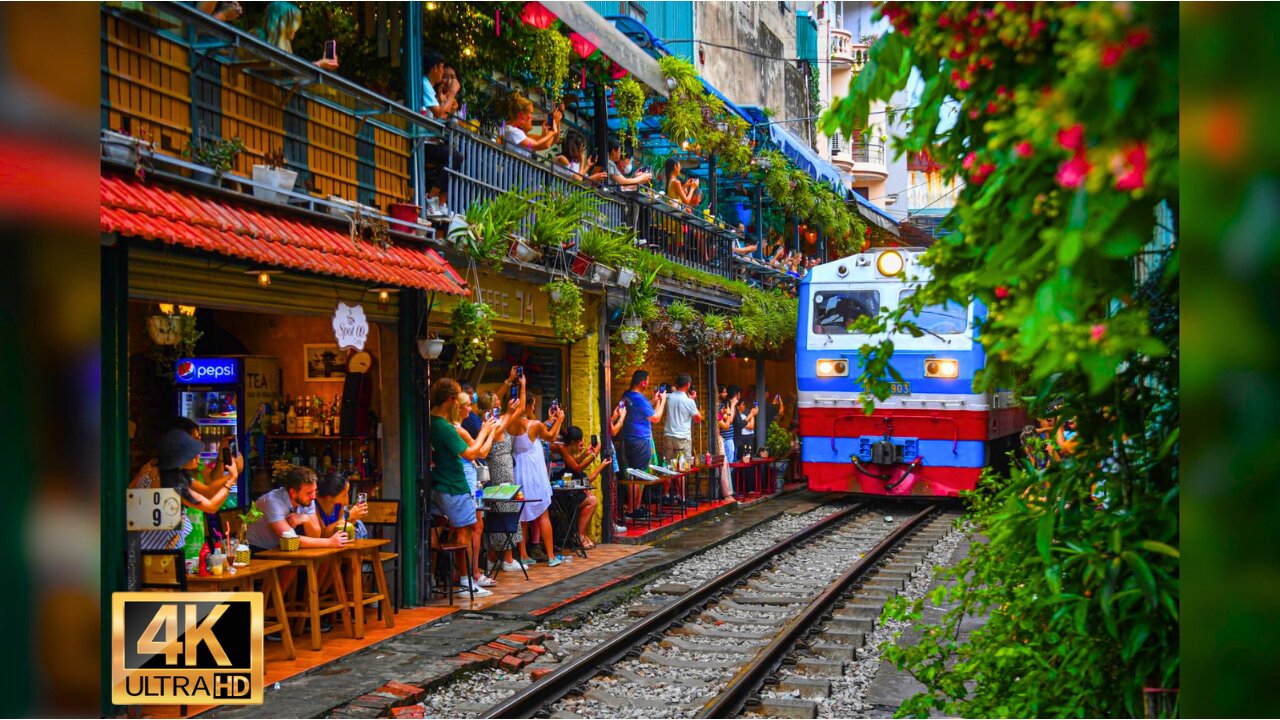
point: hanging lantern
(581, 45)
(537, 15)
(497, 23)
(616, 71)
(812, 236)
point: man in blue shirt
(637, 432)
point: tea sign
(350, 326)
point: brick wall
(584, 393)
(663, 366)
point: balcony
(864, 160)
(845, 53)
(172, 75)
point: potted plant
(680, 313)
(628, 100)
(175, 336)
(125, 148)
(490, 226)
(778, 446)
(605, 248)
(272, 176)
(430, 347)
(566, 310)
(471, 324)
(407, 213)
(557, 216)
(629, 347)
(216, 155)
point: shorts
(459, 509)
(675, 447)
(639, 453)
(469, 471)
(730, 452)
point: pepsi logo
(186, 370)
(198, 370)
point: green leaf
(1158, 547)
(1044, 535)
(1069, 249)
(1141, 571)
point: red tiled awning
(130, 207)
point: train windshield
(951, 317)
(834, 313)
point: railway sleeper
(753, 608)
(647, 681)
(758, 599)
(697, 647)
(891, 583)
(821, 667)
(703, 631)
(808, 687)
(789, 708)
(713, 616)
(843, 637)
(832, 651)
(604, 697)
(853, 624)
(654, 658)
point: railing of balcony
(482, 170)
(681, 237)
(866, 152)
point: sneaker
(554, 561)
(486, 581)
(468, 586)
(528, 561)
(619, 529)
(511, 567)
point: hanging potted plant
(680, 314)
(628, 100)
(566, 310)
(549, 62)
(430, 347)
(175, 336)
(272, 176)
(599, 249)
(558, 215)
(471, 324)
(217, 156)
(629, 347)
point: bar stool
(445, 547)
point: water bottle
(479, 496)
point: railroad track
(709, 653)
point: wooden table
(368, 549)
(264, 570)
(312, 560)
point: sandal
(587, 544)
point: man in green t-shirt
(451, 494)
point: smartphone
(519, 371)
(330, 49)
(755, 404)
(234, 447)
(595, 441)
(622, 404)
(362, 498)
(662, 388)
(555, 405)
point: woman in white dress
(527, 435)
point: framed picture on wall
(324, 363)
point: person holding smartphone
(577, 462)
(637, 432)
(334, 508)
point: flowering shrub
(1066, 138)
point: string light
(264, 278)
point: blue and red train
(933, 436)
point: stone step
(808, 687)
(703, 631)
(654, 658)
(690, 646)
(831, 651)
(820, 667)
(789, 708)
(712, 616)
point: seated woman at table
(577, 460)
(333, 496)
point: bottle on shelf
(291, 419)
(297, 455)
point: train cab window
(834, 313)
(951, 317)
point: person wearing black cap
(178, 456)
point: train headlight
(833, 368)
(941, 368)
(889, 263)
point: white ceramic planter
(631, 322)
(123, 148)
(625, 276)
(677, 326)
(520, 250)
(628, 335)
(430, 348)
(278, 178)
(601, 273)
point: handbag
(482, 475)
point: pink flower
(992, 108)
(980, 176)
(974, 114)
(1002, 292)
(1072, 138)
(1111, 55)
(1071, 174)
(962, 84)
(1097, 332)
(1131, 169)
(1036, 27)
(1023, 149)
(969, 160)
(1137, 38)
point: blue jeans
(730, 452)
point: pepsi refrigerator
(225, 397)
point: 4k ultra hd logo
(186, 648)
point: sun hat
(177, 448)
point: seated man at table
(577, 460)
(290, 507)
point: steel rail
(564, 679)
(736, 693)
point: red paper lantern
(537, 15)
(581, 45)
(616, 71)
